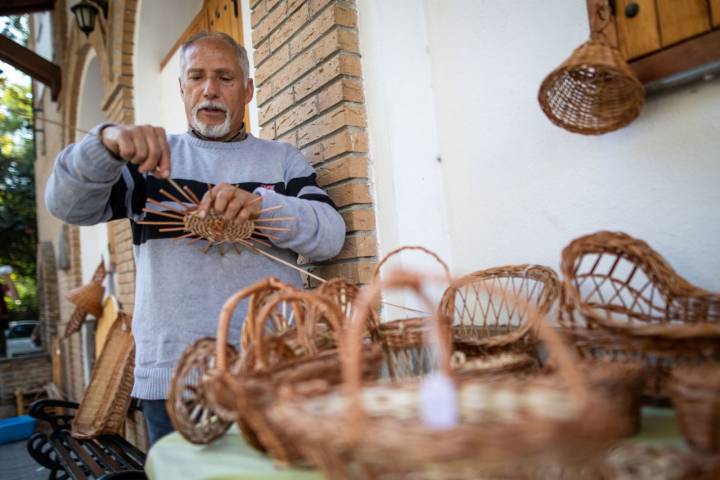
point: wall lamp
(85, 13)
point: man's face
(213, 89)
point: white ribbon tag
(438, 402)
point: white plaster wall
(157, 97)
(94, 239)
(517, 188)
(404, 150)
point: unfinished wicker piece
(404, 339)
(485, 324)
(178, 213)
(384, 429)
(299, 354)
(188, 408)
(594, 91)
(106, 400)
(624, 301)
(695, 392)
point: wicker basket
(695, 392)
(484, 324)
(106, 400)
(623, 301)
(188, 408)
(276, 360)
(404, 339)
(594, 91)
(620, 384)
(378, 428)
(88, 298)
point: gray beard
(210, 131)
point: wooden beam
(678, 58)
(31, 63)
(18, 7)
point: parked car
(20, 338)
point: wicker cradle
(623, 301)
(277, 360)
(403, 339)
(190, 412)
(486, 326)
(374, 429)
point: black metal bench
(102, 458)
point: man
(117, 170)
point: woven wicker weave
(249, 387)
(594, 91)
(484, 323)
(88, 298)
(189, 411)
(377, 427)
(404, 339)
(624, 301)
(695, 392)
(187, 405)
(106, 400)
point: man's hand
(231, 202)
(142, 145)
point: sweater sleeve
(88, 185)
(315, 228)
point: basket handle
(352, 340)
(376, 271)
(228, 308)
(305, 323)
(352, 369)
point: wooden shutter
(681, 20)
(214, 16)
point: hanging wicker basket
(88, 298)
(593, 92)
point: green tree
(18, 222)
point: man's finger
(222, 198)
(164, 166)
(154, 150)
(205, 203)
(235, 206)
(141, 149)
(126, 146)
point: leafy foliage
(18, 222)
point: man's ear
(249, 90)
(182, 90)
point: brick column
(309, 93)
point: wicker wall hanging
(594, 91)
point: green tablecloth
(230, 458)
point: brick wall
(309, 93)
(22, 372)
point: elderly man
(117, 170)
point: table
(230, 458)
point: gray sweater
(179, 289)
